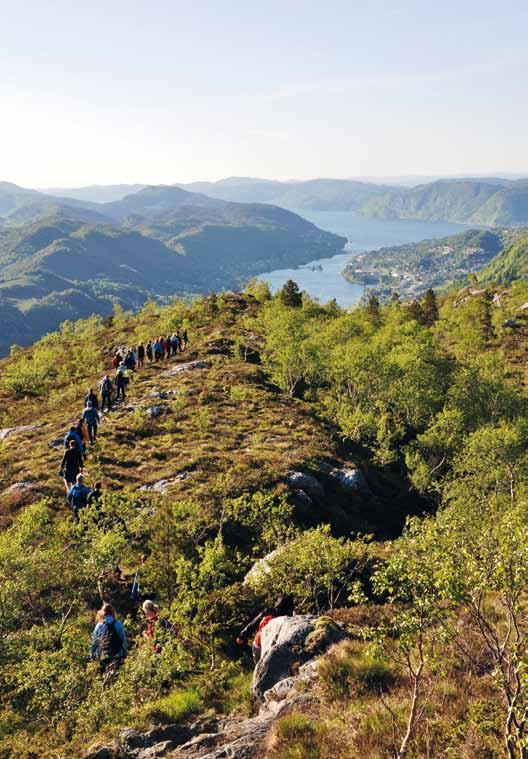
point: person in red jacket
(284, 607)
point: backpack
(105, 385)
(109, 644)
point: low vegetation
(426, 569)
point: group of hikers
(109, 644)
(109, 641)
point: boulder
(289, 644)
(524, 307)
(161, 394)
(305, 482)
(155, 411)
(348, 478)
(103, 752)
(282, 644)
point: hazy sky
(166, 91)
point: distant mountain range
(66, 258)
(314, 194)
(96, 193)
(488, 201)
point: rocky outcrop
(187, 367)
(161, 486)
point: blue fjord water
(363, 234)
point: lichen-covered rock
(260, 567)
(161, 486)
(18, 488)
(290, 642)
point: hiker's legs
(256, 651)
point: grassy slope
(225, 421)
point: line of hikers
(154, 351)
(84, 431)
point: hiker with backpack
(149, 351)
(157, 627)
(92, 398)
(283, 607)
(105, 386)
(184, 342)
(116, 360)
(73, 434)
(71, 465)
(140, 355)
(91, 418)
(77, 496)
(121, 382)
(109, 643)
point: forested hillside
(305, 436)
(510, 265)
(471, 201)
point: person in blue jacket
(91, 417)
(78, 495)
(73, 435)
(109, 643)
